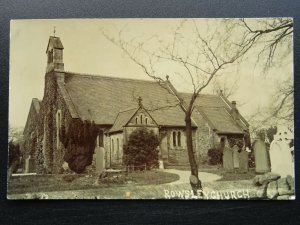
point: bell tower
(54, 54)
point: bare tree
(197, 57)
(274, 47)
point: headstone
(243, 161)
(281, 159)
(227, 158)
(27, 165)
(100, 163)
(280, 153)
(235, 152)
(161, 164)
(261, 157)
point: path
(184, 176)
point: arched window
(141, 117)
(174, 138)
(136, 120)
(222, 142)
(100, 139)
(112, 146)
(146, 120)
(179, 138)
(118, 148)
(58, 126)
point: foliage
(79, 142)
(215, 156)
(14, 153)
(271, 131)
(235, 140)
(141, 148)
(251, 160)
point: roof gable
(132, 117)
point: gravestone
(261, 157)
(227, 158)
(99, 159)
(280, 153)
(235, 152)
(281, 159)
(243, 161)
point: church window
(118, 148)
(100, 139)
(112, 146)
(141, 118)
(174, 138)
(136, 120)
(179, 138)
(146, 120)
(58, 127)
(222, 142)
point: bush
(215, 156)
(141, 149)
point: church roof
(217, 113)
(55, 42)
(101, 98)
(122, 118)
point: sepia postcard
(180, 108)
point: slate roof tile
(101, 98)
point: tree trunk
(194, 180)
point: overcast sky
(87, 51)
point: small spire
(54, 31)
(140, 101)
(167, 77)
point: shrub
(141, 148)
(215, 156)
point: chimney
(234, 112)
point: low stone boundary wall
(272, 186)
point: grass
(60, 182)
(234, 175)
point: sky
(87, 51)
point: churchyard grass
(63, 182)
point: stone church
(80, 112)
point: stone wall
(272, 186)
(50, 151)
(30, 135)
(116, 150)
(204, 138)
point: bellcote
(54, 54)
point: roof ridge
(126, 110)
(213, 95)
(97, 76)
